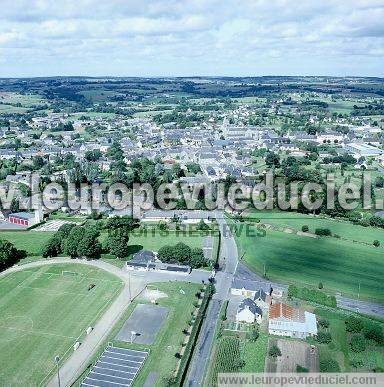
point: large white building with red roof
(285, 320)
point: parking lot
(115, 367)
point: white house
(248, 312)
(244, 288)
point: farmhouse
(248, 312)
(244, 288)
(287, 321)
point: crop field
(226, 357)
(339, 264)
(43, 312)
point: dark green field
(339, 264)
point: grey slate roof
(247, 303)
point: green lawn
(255, 353)
(30, 241)
(340, 265)
(342, 228)
(161, 359)
(42, 314)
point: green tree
(272, 160)
(374, 331)
(353, 324)
(89, 246)
(9, 254)
(166, 254)
(118, 244)
(53, 247)
(324, 337)
(73, 240)
(274, 351)
(197, 258)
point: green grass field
(43, 312)
(344, 229)
(338, 264)
(255, 353)
(30, 241)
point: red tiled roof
(285, 311)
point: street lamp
(57, 360)
(133, 334)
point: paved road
(232, 267)
(228, 259)
(360, 306)
(133, 282)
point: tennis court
(115, 367)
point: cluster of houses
(219, 148)
(283, 319)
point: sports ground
(44, 311)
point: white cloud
(172, 37)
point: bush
(274, 351)
(254, 335)
(374, 331)
(320, 285)
(376, 243)
(324, 323)
(305, 228)
(324, 337)
(329, 365)
(312, 295)
(300, 368)
(323, 232)
(353, 324)
(358, 343)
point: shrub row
(312, 295)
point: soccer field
(43, 312)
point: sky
(188, 38)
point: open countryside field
(43, 312)
(344, 229)
(340, 265)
